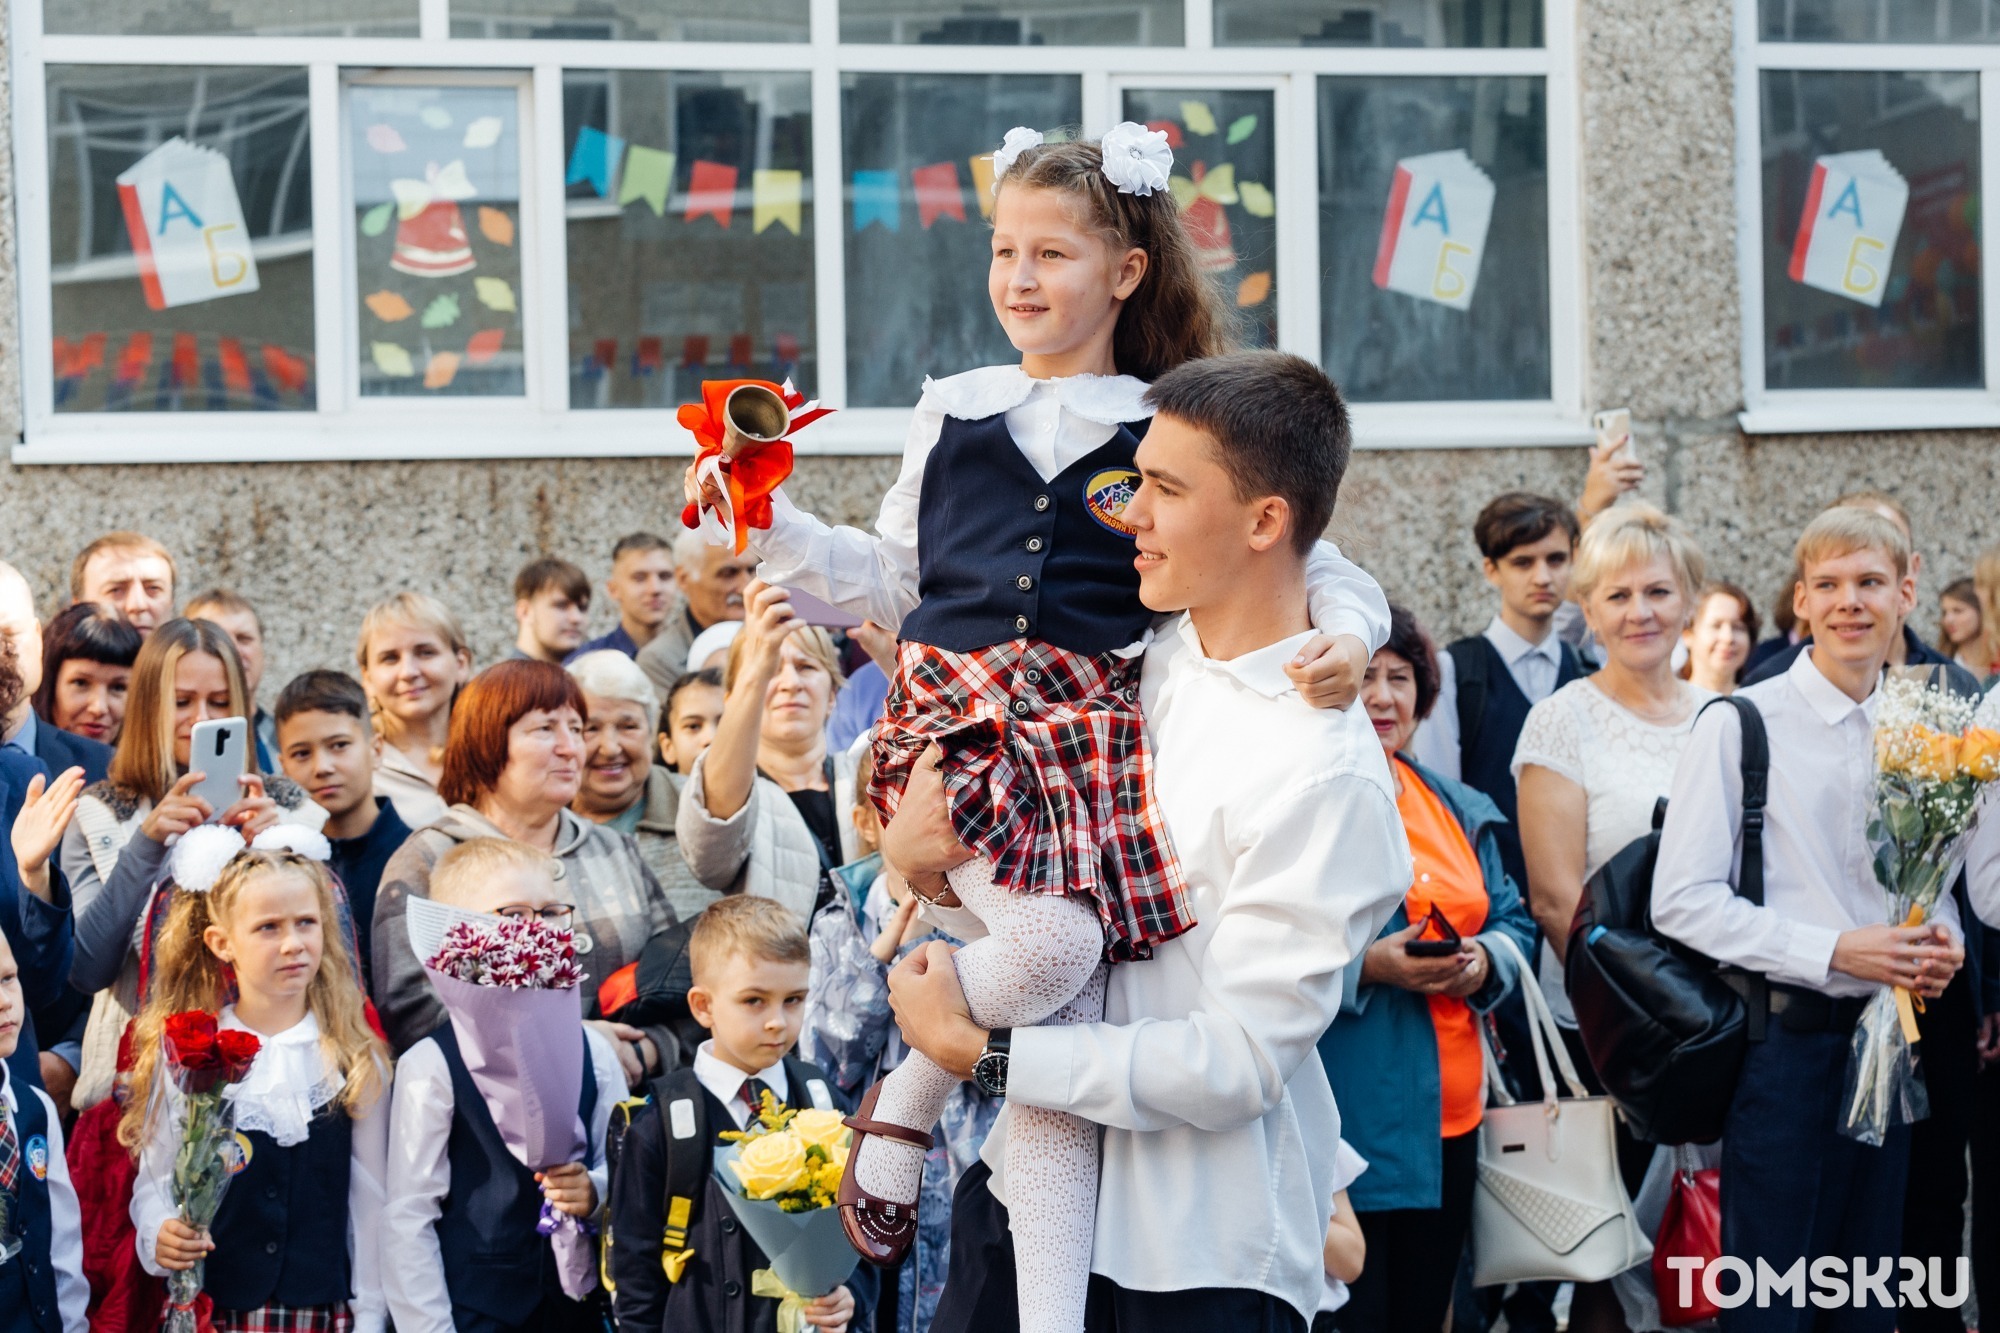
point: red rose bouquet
(202, 1061)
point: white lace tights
(1039, 963)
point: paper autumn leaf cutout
(1200, 120)
(436, 117)
(441, 370)
(1240, 129)
(376, 220)
(442, 312)
(1254, 290)
(496, 226)
(385, 139)
(494, 294)
(393, 360)
(1257, 200)
(484, 132)
(484, 346)
(389, 306)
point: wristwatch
(989, 1071)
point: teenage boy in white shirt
(1793, 1186)
(1283, 817)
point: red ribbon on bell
(746, 427)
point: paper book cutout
(877, 198)
(939, 194)
(775, 196)
(712, 191)
(1434, 229)
(186, 226)
(1847, 231)
(649, 176)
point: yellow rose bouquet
(780, 1173)
(1931, 765)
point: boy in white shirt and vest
(1793, 1187)
(1203, 1071)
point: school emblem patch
(236, 1150)
(1107, 493)
(38, 1157)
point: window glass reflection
(1485, 23)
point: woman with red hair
(512, 765)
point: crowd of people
(1157, 988)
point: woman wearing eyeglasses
(512, 766)
(1404, 1054)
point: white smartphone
(1614, 431)
(219, 750)
(813, 611)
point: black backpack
(1666, 1027)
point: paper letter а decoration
(186, 226)
(1434, 230)
(1847, 232)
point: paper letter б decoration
(746, 472)
(1847, 234)
(1434, 231)
(186, 226)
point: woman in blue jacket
(1404, 1056)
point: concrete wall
(314, 544)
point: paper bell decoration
(1847, 232)
(1434, 230)
(431, 241)
(186, 226)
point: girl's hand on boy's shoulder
(831, 1311)
(568, 1189)
(1327, 671)
(901, 927)
(179, 1246)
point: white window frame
(542, 426)
(1800, 411)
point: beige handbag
(1548, 1204)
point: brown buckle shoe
(879, 1230)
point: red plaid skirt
(286, 1319)
(1048, 774)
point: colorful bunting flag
(594, 159)
(877, 198)
(785, 347)
(604, 352)
(288, 370)
(983, 182)
(235, 366)
(186, 361)
(774, 197)
(741, 349)
(136, 356)
(649, 175)
(938, 193)
(694, 350)
(712, 190)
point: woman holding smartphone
(1404, 1055)
(1596, 756)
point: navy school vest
(496, 1264)
(28, 1280)
(281, 1232)
(1486, 751)
(1006, 555)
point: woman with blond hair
(760, 812)
(1596, 756)
(414, 659)
(1984, 651)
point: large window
(1865, 293)
(288, 229)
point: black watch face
(991, 1073)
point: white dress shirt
(1534, 667)
(420, 1177)
(1205, 1072)
(1982, 845)
(288, 1082)
(1054, 422)
(724, 1081)
(65, 1220)
(1818, 875)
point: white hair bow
(202, 853)
(1018, 141)
(1136, 160)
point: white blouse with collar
(1054, 422)
(288, 1083)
